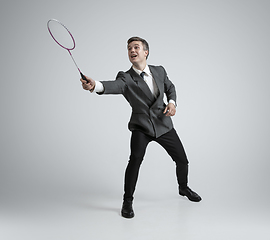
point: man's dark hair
(143, 41)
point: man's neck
(140, 66)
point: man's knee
(135, 159)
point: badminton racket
(63, 37)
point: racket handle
(83, 77)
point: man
(144, 87)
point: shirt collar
(146, 70)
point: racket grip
(83, 77)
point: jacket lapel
(141, 84)
(156, 79)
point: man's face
(136, 53)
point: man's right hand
(90, 85)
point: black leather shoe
(127, 211)
(192, 196)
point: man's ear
(146, 53)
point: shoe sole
(191, 199)
(127, 216)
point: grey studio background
(61, 166)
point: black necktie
(142, 75)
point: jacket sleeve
(117, 86)
(169, 88)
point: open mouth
(134, 56)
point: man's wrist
(98, 87)
(172, 101)
(92, 90)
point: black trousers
(170, 142)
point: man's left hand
(170, 110)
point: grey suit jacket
(147, 112)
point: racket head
(60, 34)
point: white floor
(81, 215)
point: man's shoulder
(154, 66)
(124, 74)
(158, 68)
